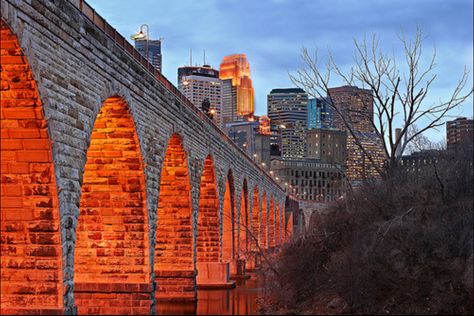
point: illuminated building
(238, 100)
(287, 110)
(154, 51)
(200, 84)
(357, 108)
(264, 125)
(359, 166)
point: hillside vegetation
(399, 246)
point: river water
(242, 300)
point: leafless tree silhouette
(400, 92)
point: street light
(143, 36)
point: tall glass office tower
(154, 51)
(319, 114)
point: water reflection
(239, 301)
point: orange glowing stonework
(264, 223)
(255, 222)
(271, 225)
(207, 244)
(31, 256)
(228, 218)
(289, 227)
(112, 232)
(236, 67)
(244, 222)
(277, 224)
(175, 271)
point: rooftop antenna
(190, 57)
(204, 57)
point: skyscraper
(229, 102)
(356, 108)
(319, 113)
(236, 69)
(287, 110)
(154, 51)
(253, 137)
(201, 84)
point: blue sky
(272, 32)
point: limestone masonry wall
(67, 70)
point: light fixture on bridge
(141, 35)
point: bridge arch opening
(289, 227)
(264, 222)
(255, 231)
(31, 272)
(112, 248)
(174, 264)
(277, 223)
(207, 243)
(228, 220)
(271, 224)
(244, 221)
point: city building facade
(287, 110)
(201, 85)
(238, 103)
(154, 51)
(355, 108)
(310, 179)
(419, 163)
(252, 139)
(459, 134)
(327, 145)
(229, 103)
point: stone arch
(112, 247)
(277, 223)
(289, 227)
(174, 265)
(282, 222)
(301, 223)
(264, 222)
(244, 220)
(228, 220)
(255, 221)
(207, 243)
(271, 224)
(31, 272)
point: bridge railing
(120, 41)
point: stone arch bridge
(117, 192)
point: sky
(272, 33)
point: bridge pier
(175, 286)
(113, 298)
(238, 269)
(214, 275)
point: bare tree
(400, 92)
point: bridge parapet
(107, 166)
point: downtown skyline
(272, 33)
